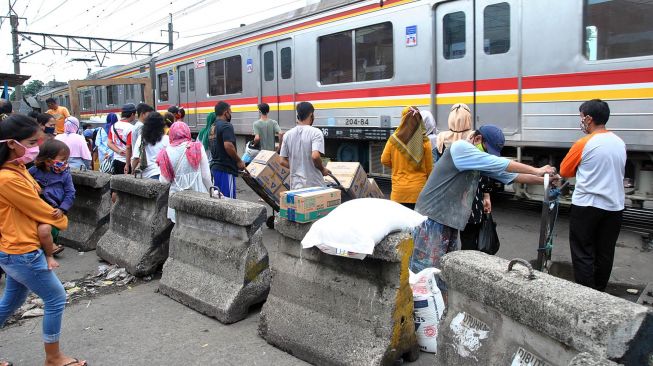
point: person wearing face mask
(449, 192)
(80, 155)
(47, 123)
(51, 172)
(27, 262)
(225, 162)
(301, 150)
(598, 162)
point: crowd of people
(446, 176)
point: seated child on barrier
(51, 172)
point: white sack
(355, 227)
(429, 307)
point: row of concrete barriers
(331, 310)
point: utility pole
(171, 32)
(13, 21)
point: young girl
(52, 174)
(27, 263)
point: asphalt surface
(135, 325)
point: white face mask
(583, 126)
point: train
(525, 66)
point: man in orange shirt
(58, 112)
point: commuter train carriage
(523, 65)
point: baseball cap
(493, 138)
(129, 107)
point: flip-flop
(58, 250)
(76, 361)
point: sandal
(75, 362)
(58, 250)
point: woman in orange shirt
(25, 250)
(408, 153)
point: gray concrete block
(493, 313)
(586, 359)
(139, 229)
(331, 310)
(88, 219)
(290, 229)
(217, 264)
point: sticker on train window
(357, 122)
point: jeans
(27, 272)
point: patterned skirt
(432, 241)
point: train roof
(294, 15)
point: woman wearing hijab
(460, 127)
(80, 155)
(203, 136)
(431, 130)
(408, 153)
(183, 164)
(104, 152)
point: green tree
(32, 88)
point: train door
(454, 28)
(497, 69)
(277, 87)
(187, 98)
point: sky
(140, 20)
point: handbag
(143, 155)
(488, 239)
(107, 166)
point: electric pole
(13, 21)
(171, 32)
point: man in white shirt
(301, 150)
(120, 137)
(598, 162)
(142, 111)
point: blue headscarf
(111, 119)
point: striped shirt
(598, 161)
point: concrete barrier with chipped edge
(217, 263)
(331, 310)
(88, 219)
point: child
(51, 172)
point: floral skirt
(432, 241)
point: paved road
(136, 325)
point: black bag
(488, 239)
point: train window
(453, 25)
(268, 66)
(374, 52)
(617, 29)
(191, 80)
(98, 96)
(372, 47)
(285, 62)
(112, 94)
(182, 81)
(336, 58)
(226, 76)
(496, 28)
(163, 87)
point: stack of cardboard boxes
(354, 180)
(268, 172)
(308, 204)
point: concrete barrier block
(89, 217)
(585, 359)
(331, 310)
(217, 263)
(496, 316)
(139, 229)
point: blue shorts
(225, 182)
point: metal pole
(13, 19)
(170, 33)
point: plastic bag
(428, 307)
(354, 228)
(488, 239)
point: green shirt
(266, 130)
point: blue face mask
(49, 130)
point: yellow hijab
(410, 135)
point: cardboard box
(271, 159)
(277, 195)
(308, 204)
(373, 189)
(286, 182)
(352, 177)
(266, 177)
